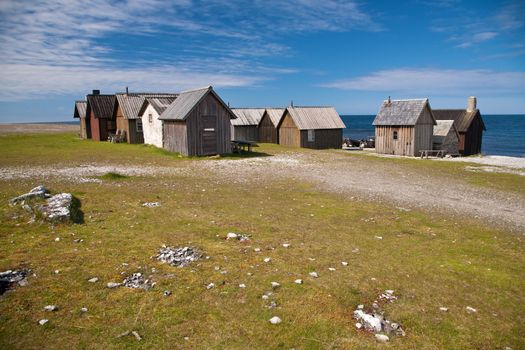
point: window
(139, 125)
(311, 135)
(395, 135)
(209, 129)
(150, 118)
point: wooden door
(208, 135)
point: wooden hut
(100, 111)
(404, 127)
(80, 113)
(150, 112)
(469, 125)
(446, 137)
(311, 127)
(127, 117)
(268, 131)
(197, 123)
(244, 127)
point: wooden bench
(119, 136)
(432, 152)
(240, 145)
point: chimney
(96, 92)
(389, 100)
(471, 105)
(291, 103)
(127, 90)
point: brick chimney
(471, 105)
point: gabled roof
(274, 114)
(442, 129)
(159, 104)
(101, 105)
(310, 118)
(80, 109)
(131, 103)
(461, 117)
(187, 101)
(247, 116)
(401, 112)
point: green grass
(113, 176)
(430, 261)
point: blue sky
(348, 54)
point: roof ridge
(407, 99)
(309, 107)
(209, 87)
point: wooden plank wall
(175, 139)
(386, 144)
(422, 138)
(245, 133)
(289, 135)
(83, 129)
(122, 124)
(267, 131)
(472, 138)
(324, 138)
(95, 127)
(133, 136)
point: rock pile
(37, 192)
(137, 280)
(180, 257)
(237, 236)
(151, 204)
(58, 207)
(10, 277)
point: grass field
(429, 260)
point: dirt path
(328, 171)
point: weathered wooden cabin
(404, 127)
(446, 137)
(100, 111)
(244, 127)
(127, 117)
(311, 127)
(151, 110)
(80, 113)
(268, 131)
(197, 123)
(468, 123)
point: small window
(311, 135)
(150, 118)
(209, 129)
(395, 135)
(139, 125)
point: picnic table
(242, 145)
(432, 152)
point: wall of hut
(245, 132)
(448, 143)
(322, 138)
(85, 129)
(122, 123)
(470, 142)
(289, 134)
(268, 133)
(152, 127)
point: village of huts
(199, 123)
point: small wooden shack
(80, 113)
(469, 125)
(150, 112)
(267, 128)
(446, 137)
(127, 117)
(404, 127)
(244, 127)
(311, 127)
(100, 111)
(197, 123)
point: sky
(263, 53)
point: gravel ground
(36, 128)
(328, 171)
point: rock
(151, 204)
(381, 338)
(379, 237)
(11, 277)
(331, 268)
(84, 309)
(314, 274)
(231, 235)
(298, 281)
(388, 295)
(57, 272)
(358, 325)
(180, 257)
(273, 304)
(265, 297)
(57, 239)
(471, 310)
(286, 245)
(360, 307)
(242, 285)
(266, 260)
(355, 250)
(43, 322)
(257, 250)
(37, 192)
(275, 320)
(344, 263)
(136, 335)
(275, 285)
(58, 208)
(93, 280)
(210, 286)
(51, 308)
(444, 309)
(112, 285)
(137, 280)
(167, 293)
(369, 322)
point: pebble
(344, 263)
(331, 268)
(298, 281)
(275, 320)
(267, 260)
(444, 309)
(113, 285)
(43, 322)
(231, 235)
(242, 285)
(286, 245)
(275, 285)
(210, 286)
(257, 249)
(471, 310)
(381, 338)
(314, 274)
(84, 309)
(265, 297)
(136, 335)
(379, 237)
(57, 272)
(93, 280)
(358, 325)
(167, 293)
(51, 308)
(57, 239)
(360, 306)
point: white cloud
(477, 38)
(421, 82)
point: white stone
(51, 308)
(370, 322)
(57, 272)
(286, 245)
(265, 297)
(93, 280)
(381, 338)
(242, 285)
(360, 307)
(331, 268)
(113, 285)
(257, 250)
(471, 310)
(84, 309)
(444, 309)
(344, 263)
(57, 239)
(379, 237)
(313, 274)
(358, 325)
(43, 322)
(210, 286)
(231, 235)
(267, 260)
(275, 285)
(298, 281)
(275, 320)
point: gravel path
(332, 172)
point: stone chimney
(471, 105)
(96, 92)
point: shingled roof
(80, 109)
(311, 118)
(159, 104)
(187, 101)
(401, 112)
(275, 115)
(247, 116)
(131, 103)
(461, 117)
(101, 105)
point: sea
(505, 135)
